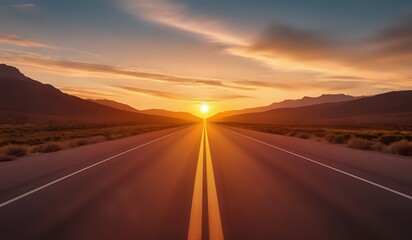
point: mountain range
(156, 112)
(289, 103)
(22, 95)
(391, 107)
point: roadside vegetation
(21, 138)
(387, 139)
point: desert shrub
(97, 139)
(388, 139)
(303, 135)
(368, 136)
(81, 142)
(278, 131)
(292, 134)
(378, 146)
(403, 147)
(320, 133)
(342, 138)
(329, 137)
(360, 143)
(15, 150)
(47, 147)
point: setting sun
(204, 108)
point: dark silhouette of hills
(182, 115)
(305, 101)
(391, 107)
(114, 104)
(157, 112)
(22, 95)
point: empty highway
(207, 181)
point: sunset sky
(232, 54)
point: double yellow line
(195, 224)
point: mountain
(391, 107)
(182, 115)
(114, 104)
(305, 101)
(156, 112)
(22, 95)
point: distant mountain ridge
(23, 95)
(182, 115)
(156, 112)
(388, 107)
(289, 103)
(114, 104)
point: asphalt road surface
(207, 181)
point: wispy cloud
(180, 96)
(24, 5)
(85, 93)
(284, 47)
(23, 42)
(288, 48)
(300, 85)
(101, 70)
(177, 16)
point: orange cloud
(176, 16)
(20, 41)
(99, 70)
(180, 96)
(85, 93)
(300, 85)
(287, 48)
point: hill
(391, 107)
(305, 101)
(22, 95)
(157, 112)
(114, 104)
(181, 115)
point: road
(207, 181)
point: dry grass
(360, 143)
(20, 138)
(10, 152)
(47, 147)
(403, 147)
(388, 139)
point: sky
(232, 54)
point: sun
(204, 108)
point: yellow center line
(195, 222)
(215, 224)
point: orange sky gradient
(168, 56)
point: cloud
(20, 41)
(85, 93)
(24, 5)
(288, 48)
(180, 96)
(343, 77)
(300, 85)
(391, 48)
(177, 16)
(295, 43)
(101, 70)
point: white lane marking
(3, 204)
(215, 223)
(327, 166)
(195, 222)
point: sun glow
(204, 108)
